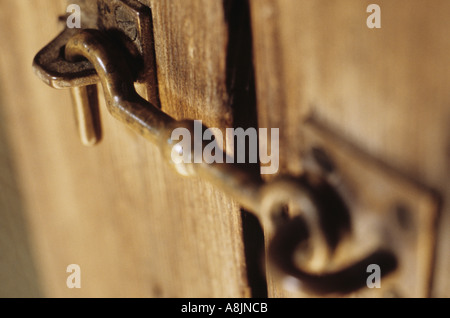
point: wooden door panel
(384, 90)
(133, 225)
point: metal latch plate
(387, 209)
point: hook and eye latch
(91, 58)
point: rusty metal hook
(124, 103)
(292, 234)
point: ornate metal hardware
(320, 215)
(126, 105)
(127, 22)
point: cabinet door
(384, 90)
(137, 229)
(134, 226)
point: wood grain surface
(384, 90)
(134, 226)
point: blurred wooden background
(139, 230)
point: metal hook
(86, 111)
(283, 246)
(110, 68)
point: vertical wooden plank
(191, 43)
(135, 227)
(20, 272)
(191, 39)
(385, 90)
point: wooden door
(135, 227)
(385, 90)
